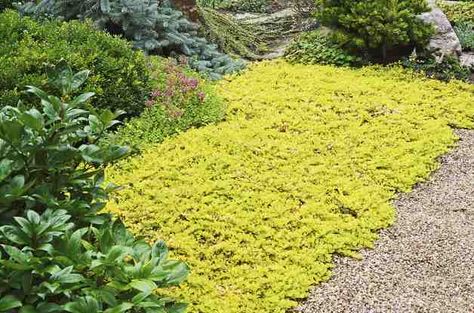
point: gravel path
(423, 263)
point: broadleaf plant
(58, 252)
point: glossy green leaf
(33, 119)
(79, 79)
(6, 167)
(123, 307)
(82, 98)
(9, 302)
(143, 285)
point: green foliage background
(29, 50)
(156, 123)
(155, 27)
(317, 48)
(375, 27)
(305, 166)
(256, 6)
(465, 32)
(59, 251)
(458, 12)
(5, 4)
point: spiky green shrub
(258, 204)
(376, 27)
(153, 26)
(30, 50)
(58, 253)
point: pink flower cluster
(177, 92)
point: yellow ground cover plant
(305, 166)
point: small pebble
(425, 261)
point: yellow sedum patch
(305, 166)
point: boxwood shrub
(258, 204)
(30, 49)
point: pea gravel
(425, 261)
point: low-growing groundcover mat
(305, 166)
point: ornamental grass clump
(304, 167)
(58, 251)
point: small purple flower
(169, 92)
(202, 96)
(149, 103)
(156, 94)
(176, 114)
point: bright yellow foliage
(305, 166)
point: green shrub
(305, 166)
(5, 4)
(58, 253)
(153, 26)
(317, 48)
(465, 32)
(29, 50)
(449, 68)
(178, 102)
(458, 12)
(255, 6)
(378, 28)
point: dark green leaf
(143, 285)
(6, 167)
(124, 307)
(33, 119)
(91, 153)
(179, 272)
(11, 131)
(81, 98)
(83, 305)
(79, 79)
(9, 302)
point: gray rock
(467, 59)
(445, 41)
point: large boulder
(467, 59)
(445, 41)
